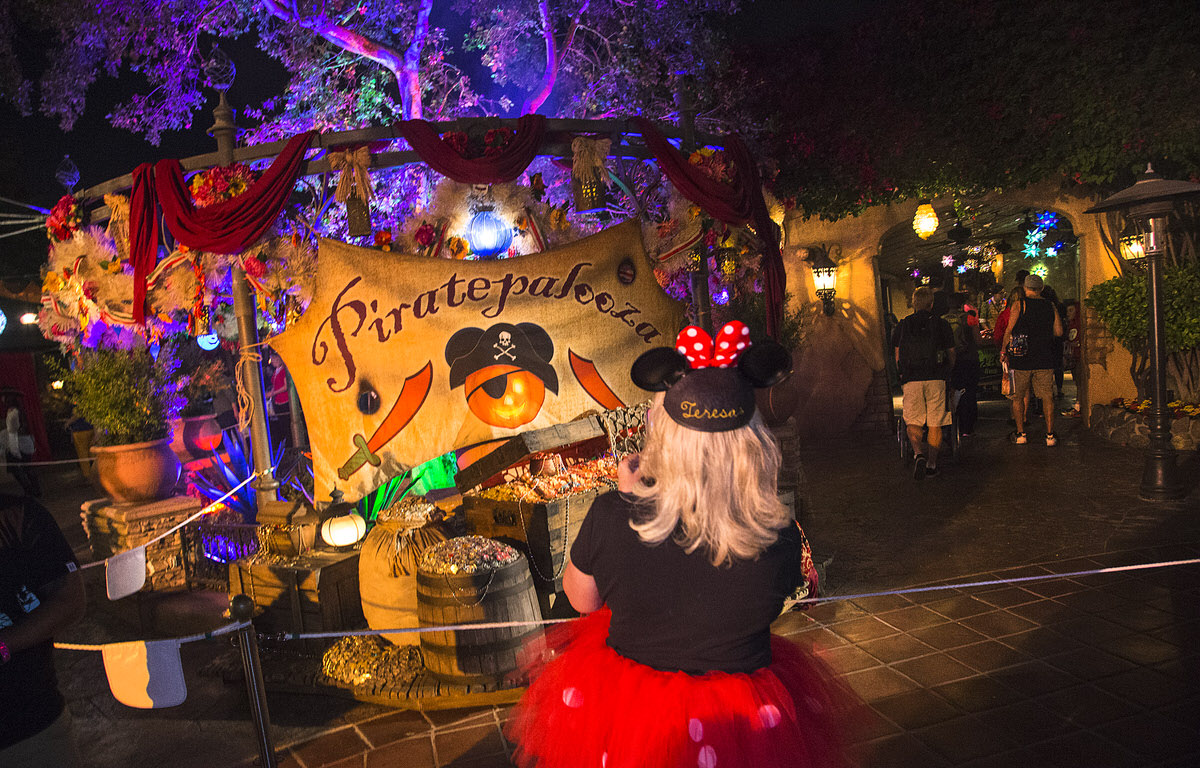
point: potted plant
(205, 375)
(129, 396)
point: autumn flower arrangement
(216, 185)
(488, 144)
(712, 163)
(1178, 408)
(65, 219)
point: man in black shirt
(1031, 346)
(41, 592)
(924, 349)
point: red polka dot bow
(701, 352)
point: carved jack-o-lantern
(505, 371)
(505, 395)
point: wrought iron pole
(1160, 474)
(224, 130)
(699, 275)
(241, 608)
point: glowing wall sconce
(925, 221)
(824, 276)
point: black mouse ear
(659, 368)
(766, 363)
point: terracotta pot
(195, 436)
(138, 471)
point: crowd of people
(937, 354)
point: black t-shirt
(1037, 322)
(926, 334)
(677, 611)
(33, 554)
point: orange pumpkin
(505, 395)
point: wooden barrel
(387, 576)
(487, 657)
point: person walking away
(41, 593)
(19, 448)
(924, 352)
(680, 573)
(965, 374)
(1030, 345)
(1050, 295)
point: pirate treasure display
(400, 358)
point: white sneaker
(1051, 439)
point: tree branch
(368, 48)
(410, 77)
(554, 54)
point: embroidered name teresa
(691, 410)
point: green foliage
(128, 395)
(751, 308)
(946, 97)
(1123, 304)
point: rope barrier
(225, 630)
(788, 605)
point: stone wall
(878, 416)
(113, 528)
(1126, 428)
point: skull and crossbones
(504, 347)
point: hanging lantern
(591, 196)
(959, 234)
(925, 221)
(345, 528)
(67, 174)
(358, 217)
(487, 233)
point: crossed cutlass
(408, 402)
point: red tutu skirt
(590, 707)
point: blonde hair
(922, 298)
(715, 491)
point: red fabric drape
(143, 235)
(18, 371)
(231, 226)
(738, 203)
(510, 163)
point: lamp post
(1149, 201)
(220, 72)
(824, 276)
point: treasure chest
(536, 488)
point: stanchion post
(241, 608)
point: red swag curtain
(228, 227)
(143, 235)
(738, 203)
(510, 163)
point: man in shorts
(924, 349)
(1031, 345)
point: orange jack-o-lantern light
(504, 370)
(504, 395)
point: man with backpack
(924, 349)
(1031, 346)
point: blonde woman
(681, 572)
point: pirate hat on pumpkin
(525, 346)
(710, 385)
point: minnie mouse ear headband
(710, 386)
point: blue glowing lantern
(208, 342)
(488, 234)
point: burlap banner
(401, 358)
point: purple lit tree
(352, 63)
